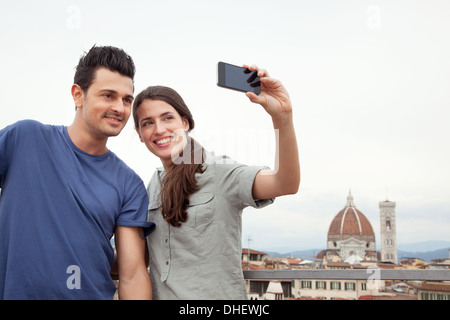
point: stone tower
(388, 233)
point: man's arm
(134, 280)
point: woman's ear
(186, 124)
(77, 94)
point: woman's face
(162, 129)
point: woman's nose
(159, 128)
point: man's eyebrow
(108, 90)
(129, 96)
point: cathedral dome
(350, 236)
(350, 222)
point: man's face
(106, 106)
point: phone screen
(238, 78)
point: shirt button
(167, 240)
(167, 262)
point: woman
(196, 200)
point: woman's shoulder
(220, 166)
(211, 159)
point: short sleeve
(246, 180)
(134, 210)
(236, 181)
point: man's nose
(119, 106)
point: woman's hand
(273, 97)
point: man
(64, 195)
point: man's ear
(78, 95)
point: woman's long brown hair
(179, 181)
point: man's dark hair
(112, 58)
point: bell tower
(388, 232)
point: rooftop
(350, 221)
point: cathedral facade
(351, 237)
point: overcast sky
(369, 81)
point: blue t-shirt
(58, 210)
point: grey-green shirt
(202, 258)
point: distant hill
(424, 246)
(302, 254)
(417, 250)
(424, 255)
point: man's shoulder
(29, 123)
(28, 129)
(32, 125)
(126, 170)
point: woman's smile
(163, 142)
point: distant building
(264, 288)
(351, 239)
(433, 291)
(388, 232)
(333, 289)
(443, 263)
(413, 263)
(252, 258)
(274, 291)
(350, 236)
(350, 245)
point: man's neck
(86, 142)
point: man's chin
(108, 134)
(113, 132)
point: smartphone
(237, 78)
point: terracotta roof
(350, 221)
(426, 286)
(383, 265)
(246, 266)
(333, 252)
(303, 298)
(365, 297)
(246, 251)
(339, 264)
(294, 261)
(321, 254)
(359, 266)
